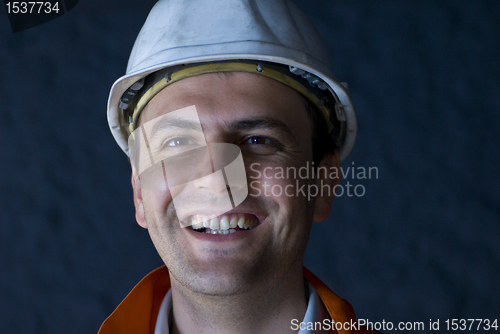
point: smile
(224, 224)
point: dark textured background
(421, 244)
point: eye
(175, 145)
(258, 140)
(261, 145)
(178, 141)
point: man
(222, 104)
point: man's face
(268, 121)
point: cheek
(154, 187)
(156, 202)
(275, 181)
(292, 188)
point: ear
(139, 206)
(326, 180)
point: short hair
(322, 141)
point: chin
(218, 277)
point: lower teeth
(220, 231)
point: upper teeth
(224, 222)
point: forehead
(230, 96)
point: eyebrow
(177, 123)
(263, 123)
(259, 123)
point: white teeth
(224, 223)
(197, 224)
(234, 222)
(214, 223)
(219, 231)
(246, 223)
(241, 222)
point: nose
(213, 182)
(228, 172)
(215, 174)
(235, 176)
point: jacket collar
(138, 312)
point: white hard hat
(270, 37)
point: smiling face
(263, 238)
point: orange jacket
(137, 313)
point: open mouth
(224, 224)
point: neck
(266, 307)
